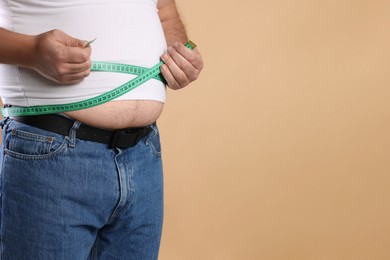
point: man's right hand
(61, 58)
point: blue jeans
(70, 199)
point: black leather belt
(122, 138)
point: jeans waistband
(122, 138)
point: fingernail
(83, 44)
(176, 44)
(170, 49)
(164, 57)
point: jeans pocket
(153, 141)
(27, 142)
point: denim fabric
(65, 198)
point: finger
(63, 71)
(174, 69)
(77, 55)
(183, 64)
(192, 56)
(74, 42)
(71, 82)
(171, 81)
(78, 67)
(68, 40)
(73, 78)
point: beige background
(281, 150)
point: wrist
(16, 49)
(174, 30)
(27, 50)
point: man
(86, 183)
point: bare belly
(120, 114)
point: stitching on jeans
(37, 157)
(130, 191)
(150, 144)
(72, 134)
(94, 249)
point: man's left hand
(182, 66)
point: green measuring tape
(143, 75)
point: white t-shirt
(127, 31)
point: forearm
(16, 49)
(172, 25)
(53, 54)
(174, 31)
(181, 65)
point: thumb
(68, 40)
(74, 42)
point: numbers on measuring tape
(143, 75)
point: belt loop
(4, 122)
(72, 133)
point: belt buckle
(124, 138)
